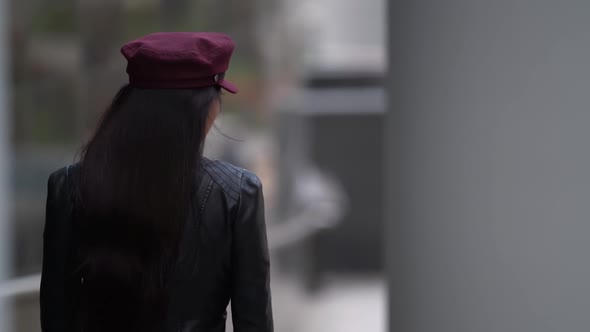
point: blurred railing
(20, 286)
(321, 204)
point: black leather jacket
(223, 256)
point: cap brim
(229, 86)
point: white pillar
(489, 166)
(5, 155)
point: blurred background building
(307, 120)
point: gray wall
(489, 214)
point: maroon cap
(179, 60)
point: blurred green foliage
(50, 19)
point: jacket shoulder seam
(205, 197)
(222, 173)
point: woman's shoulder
(60, 185)
(62, 174)
(232, 179)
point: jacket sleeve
(251, 297)
(53, 300)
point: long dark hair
(134, 190)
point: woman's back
(223, 255)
